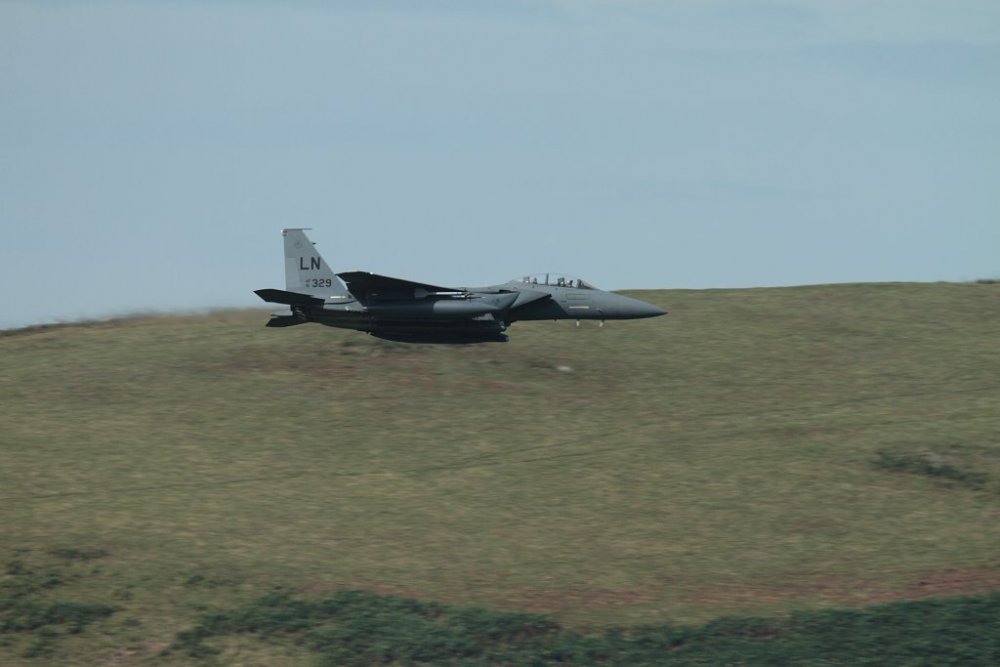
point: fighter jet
(412, 312)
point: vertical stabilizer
(306, 272)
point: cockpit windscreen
(556, 280)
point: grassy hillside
(755, 452)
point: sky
(150, 153)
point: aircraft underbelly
(343, 319)
(482, 330)
(416, 329)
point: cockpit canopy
(555, 280)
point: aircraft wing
(526, 296)
(362, 284)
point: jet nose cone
(649, 310)
(634, 308)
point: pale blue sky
(150, 152)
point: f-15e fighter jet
(412, 312)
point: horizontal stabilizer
(284, 321)
(288, 298)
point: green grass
(721, 460)
(360, 628)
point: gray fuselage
(404, 310)
(475, 314)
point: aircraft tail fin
(306, 272)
